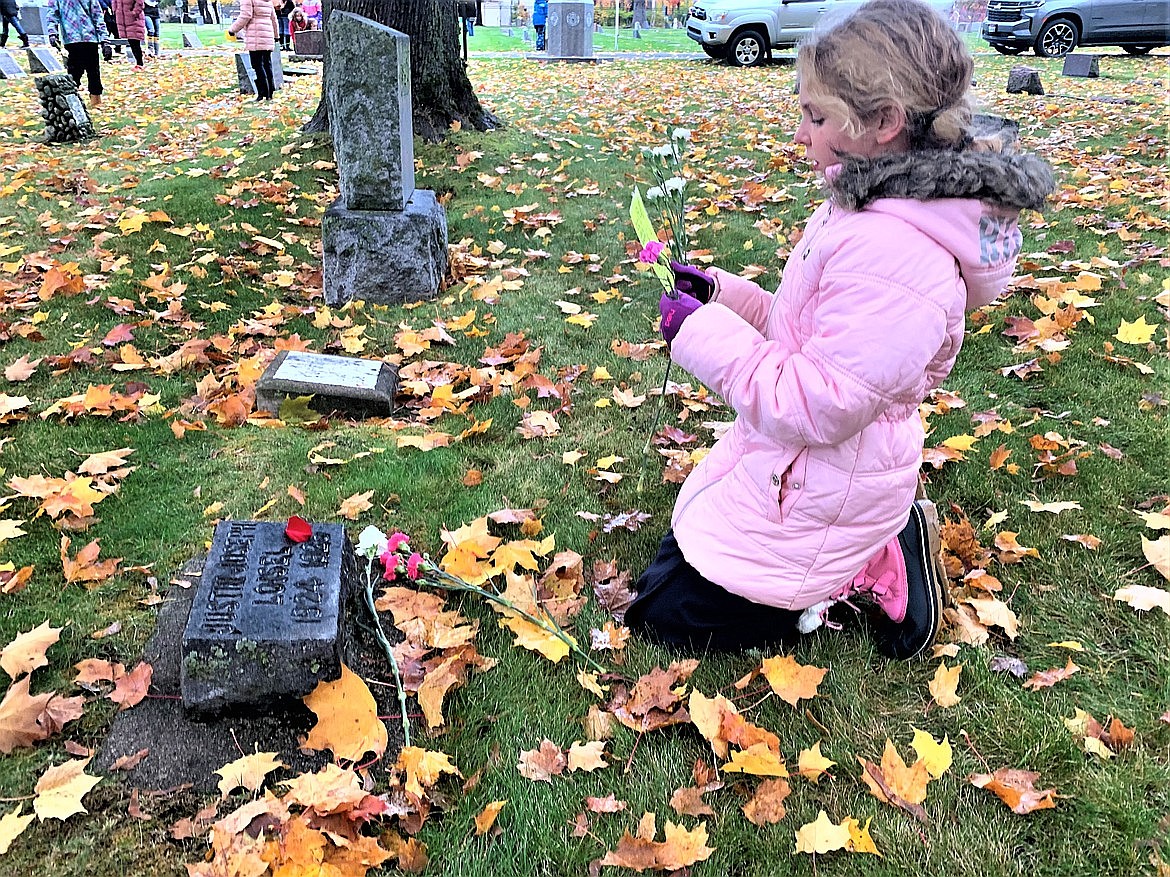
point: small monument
(1024, 80)
(247, 75)
(43, 60)
(265, 622)
(1081, 66)
(35, 20)
(9, 69)
(345, 384)
(570, 30)
(382, 239)
(66, 118)
(309, 44)
(192, 41)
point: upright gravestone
(570, 30)
(265, 622)
(382, 240)
(66, 118)
(309, 43)
(35, 21)
(1082, 66)
(9, 69)
(1024, 80)
(345, 384)
(43, 60)
(247, 75)
(192, 41)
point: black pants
(83, 58)
(677, 606)
(136, 48)
(262, 67)
(14, 20)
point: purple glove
(692, 281)
(674, 311)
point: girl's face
(825, 140)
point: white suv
(744, 32)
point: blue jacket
(80, 21)
(539, 12)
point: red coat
(257, 22)
(131, 19)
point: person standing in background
(10, 13)
(131, 19)
(150, 10)
(257, 21)
(83, 30)
(539, 19)
(284, 9)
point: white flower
(681, 133)
(675, 184)
(371, 543)
(664, 151)
(654, 193)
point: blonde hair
(899, 53)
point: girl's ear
(891, 123)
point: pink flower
(651, 252)
(390, 574)
(396, 541)
(412, 564)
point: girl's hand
(674, 311)
(691, 281)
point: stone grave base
(387, 257)
(248, 78)
(183, 751)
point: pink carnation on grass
(651, 251)
(412, 564)
(395, 541)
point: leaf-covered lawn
(148, 277)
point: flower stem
(653, 426)
(453, 583)
(386, 647)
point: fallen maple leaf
(543, 763)
(347, 718)
(822, 835)
(757, 759)
(84, 567)
(936, 757)
(61, 788)
(810, 764)
(487, 817)
(11, 826)
(1048, 678)
(766, 806)
(680, 848)
(27, 651)
(21, 370)
(895, 783)
(688, 801)
(942, 686)
(1016, 788)
(352, 507)
(20, 715)
(247, 772)
(790, 680)
(587, 756)
(423, 768)
(130, 689)
(1144, 598)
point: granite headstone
(9, 69)
(352, 386)
(309, 43)
(1082, 66)
(265, 621)
(1024, 80)
(247, 75)
(43, 60)
(570, 30)
(370, 113)
(192, 41)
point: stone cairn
(66, 118)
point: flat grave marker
(192, 41)
(9, 69)
(42, 59)
(357, 387)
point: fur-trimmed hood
(1014, 181)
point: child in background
(150, 8)
(809, 498)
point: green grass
(573, 131)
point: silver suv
(1052, 28)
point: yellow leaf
(10, 529)
(822, 836)
(61, 788)
(811, 764)
(11, 826)
(790, 680)
(961, 442)
(27, 652)
(487, 818)
(423, 768)
(758, 760)
(942, 686)
(347, 718)
(935, 757)
(248, 772)
(535, 638)
(1157, 552)
(587, 756)
(1054, 508)
(1137, 332)
(589, 682)
(860, 840)
(1071, 644)
(353, 506)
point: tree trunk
(440, 90)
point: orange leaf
(347, 718)
(790, 680)
(688, 801)
(1016, 789)
(766, 806)
(130, 689)
(84, 567)
(352, 507)
(487, 817)
(19, 716)
(543, 763)
(1048, 678)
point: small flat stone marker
(9, 69)
(192, 41)
(352, 386)
(42, 59)
(265, 621)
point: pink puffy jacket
(257, 20)
(131, 19)
(821, 465)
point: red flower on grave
(298, 529)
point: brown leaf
(27, 651)
(1048, 678)
(543, 763)
(129, 762)
(19, 716)
(1016, 789)
(608, 804)
(766, 806)
(688, 801)
(84, 567)
(352, 507)
(130, 689)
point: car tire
(1008, 50)
(1057, 38)
(716, 52)
(1137, 50)
(747, 49)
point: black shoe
(921, 545)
